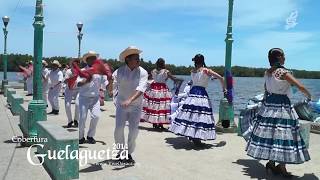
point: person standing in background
(55, 80)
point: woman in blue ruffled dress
(276, 135)
(195, 119)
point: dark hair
(274, 56)
(199, 60)
(161, 64)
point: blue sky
(173, 29)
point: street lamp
(37, 107)
(226, 110)
(5, 20)
(79, 26)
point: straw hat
(44, 63)
(89, 54)
(129, 51)
(56, 62)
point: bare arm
(220, 78)
(292, 80)
(173, 78)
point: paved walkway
(14, 164)
(158, 155)
(163, 155)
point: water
(244, 88)
(247, 87)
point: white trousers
(70, 94)
(53, 97)
(29, 82)
(132, 115)
(85, 104)
(45, 90)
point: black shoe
(129, 160)
(52, 112)
(75, 123)
(82, 140)
(69, 125)
(91, 140)
(56, 112)
(29, 95)
(156, 126)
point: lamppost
(226, 110)
(79, 26)
(5, 20)
(37, 106)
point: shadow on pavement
(184, 143)
(153, 129)
(98, 166)
(255, 170)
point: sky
(175, 30)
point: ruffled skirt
(276, 135)
(156, 104)
(195, 118)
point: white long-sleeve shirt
(92, 88)
(55, 77)
(127, 81)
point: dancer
(156, 102)
(195, 119)
(55, 80)
(70, 93)
(276, 135)
(89, 82)
(29, 80)
(129, 81)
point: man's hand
(126, 103)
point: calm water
(247, 87)
(244, 88)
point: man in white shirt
(71, 92)
(55, 80)
(45, 81)
(130, 82)
(89, 100)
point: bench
(5, 87)
(29, 118)
(16, 101)
(58, 139)
(10, 92)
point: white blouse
(200, 79)
(275, 84)
(159, 76)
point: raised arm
(216, 75)
(292, 80)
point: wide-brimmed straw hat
(89, 54)
(56, 62)
(129, 51)
(44, 63)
